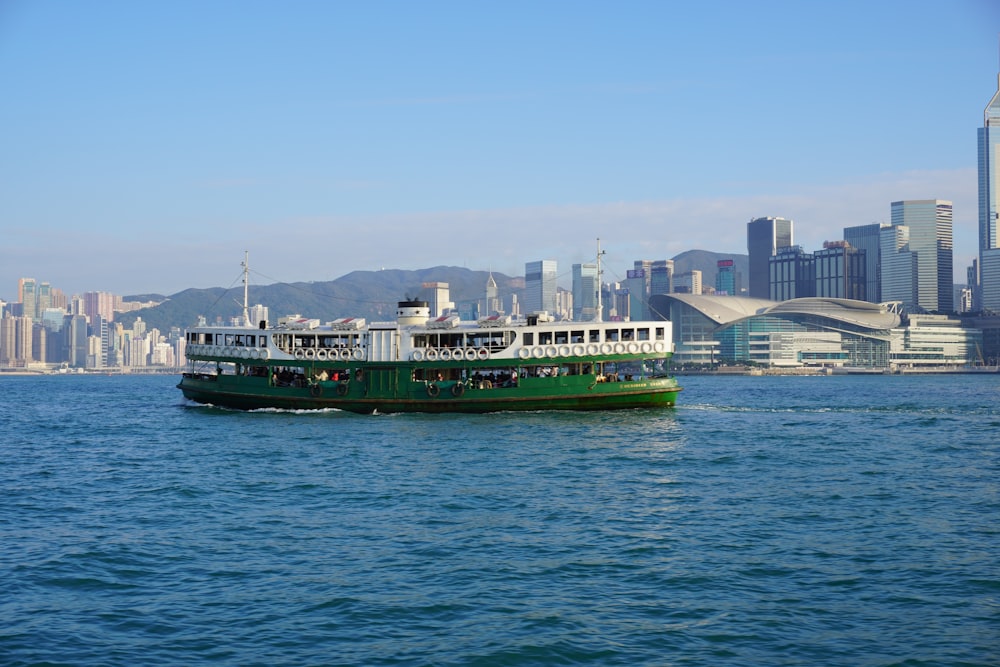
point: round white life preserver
(619, 348)
(551, 351)
(564, 350)
(432, 354)
(321, 355)
(647, 347)
(578, 350)
(358, 354)
(524, 352)
(310, 353)
(484, 354)
(445, 354)
(265, 353)
(606, 348)
(470, 354)
(633, 348)
(660, 346)
(537, 352)
(418, 355)
(253, 353)
(300, 353)
(593, 348)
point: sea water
(763, 521)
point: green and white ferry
(420, 363)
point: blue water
(764, 521)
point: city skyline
(148, 146)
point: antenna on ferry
(246, 281)
(600, 283)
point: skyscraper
(898, 266)
(866, 237)
(584, 292)
(725, 277)
(840, 271)
(987, 291)
(791, 274)
(930, 223)
(539, 286)
(764, 237)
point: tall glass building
(930, 223)
(764, 237)
(584, 292)
(866, 237)
(987, 295)
(539, 286)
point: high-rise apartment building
(986, 292)
(930, 223)
(99, 304)
(539, 286)
(866, 238)
(584, 292)
(27, 294)
(764, 237)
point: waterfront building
(791, 274)
(585, 292)
(540, 286)
(8, 340)
(814, 331)
(764, 237)
(866, 238)
(661, 277)
(931, 341)
(930, 223)
(987, 288)
(840, 271)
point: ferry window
(544, 337)
(529, 339)
(239, 341)
(594, 336)
(611, 335)
(576, 336)
(562, 337)
(628, 334)
(659, 333)
(229, 339)
(643, 334)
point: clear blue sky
(145, 145)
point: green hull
(389, 389)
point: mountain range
(369, 294)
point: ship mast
(246, 282)
(600, 283)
